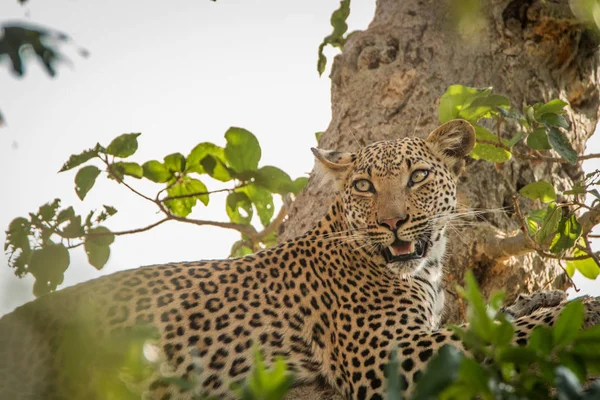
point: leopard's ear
(332, 165)
(453, 141)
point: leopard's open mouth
(402, 250)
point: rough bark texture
(387, 83)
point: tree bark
(387, 83)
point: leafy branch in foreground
(40, 244)
(554, 231)
(503, 365)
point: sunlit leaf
(262, 200)
(201, 151)
(216, 168)
(481, 107)
(239, 208)
(185, 188)
(488, 152)
(242, 150)
(456, 98)
(569, 230)
(124, 145)
(85, 179)
(550, 223)
(156, 171)
(555, 106)
(540, 190)
(129, 168)
(175, 162)
(274, 180)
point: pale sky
(179, 72)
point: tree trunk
(387, 83)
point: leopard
(331, 303)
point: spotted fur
(328, 301)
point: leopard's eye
(363, 185)
(418, 176)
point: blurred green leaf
(96, 246)
(74, 229)
(299, 184)
(560, 143)
(78, 159)
(49, 263)
(392, 373)
(240, 250)
(555, 106)
(85, 179)
(124, 145)
(17, 244)
(441, 371)
(567, 384)
(318, 136)
(156, 172)
(47, 212)
(242, 150)
(456, 98)
(587, 267)
(540, 190)
(555, 120)
(541, 340)
(568, 324)
(538, 139)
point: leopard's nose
(393, 223)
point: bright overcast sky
(179, 72)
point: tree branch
(524, 156)
(503, 248)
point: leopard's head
(397, 194)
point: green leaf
(482, 107)
(392, 374)
(198, 154)
(156, 172)
(569, 230)
(98, 255)
(318, 136)
(49, 263)
(274, 180)
(568, 324)
(240, 250)
(517, 355)
(110, 210)
(77, 159)
(96, 246)
(538, 139)
(47, 212)
(299, 184)
(456, 98)
(555, 106)
(216, 169)
(101, 236)
(550, 224)
(17, 239)
(488, 152)
(587, 267)
(242, 150)
(129, 168)
(65, 215)
(239, 208)
(441, 371)
(560, 143)
(124, 145)
(515, 139)
(85, 179)
(175, 162)
(509, 113)
(186, 187)
(540, 340)
(540, 190)
(503, 333)
(555, 120)
(336, 38)
(262, 200)
(478, 318)
(74, 229)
